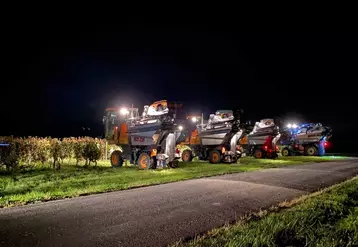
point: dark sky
(57, 80)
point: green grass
(327, 218)
(47, 184)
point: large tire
(273, 155)
(285, 152)
(238, 156)
(117, 159)
(214, 157)
(311, 150)
(187, 156)
(173, 164)
(144, 161)
(258, 153)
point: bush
(10, 156)
(91, 152)
(78, 145)
(28, 149)
(56, 152)
(66, 149)
(32, 150)
(43, 151)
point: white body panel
(170, 147)
(309, 136)
(153, 112)
(257, 140)
(234, 139)
(212, 139)
(276, 139)
(142, 134)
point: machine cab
(116, 122)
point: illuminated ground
(159, 215)
(44, 184)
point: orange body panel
(123, 134)
(164, 103)
(111, 109)
(244, 140)
(115, 133)
(194, 138)
(153, 153)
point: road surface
(159, 215)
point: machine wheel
(258, 154)
(144, 161)
(271, 155)
(311, 151)
(214, 157)
(187, 155)
(117, 159)
(285, 152)
(238, 156)
(174, 164)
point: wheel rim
(174, 164)
(285, 152)
(310, 151)
(186, 157)
(143, 162)
(258, 154)
(215, 157)
(114, 160)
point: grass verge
(47, 184)
(325, 218)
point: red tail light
(265, 147)
(327, 144)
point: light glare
(124, 111)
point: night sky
(58, 80)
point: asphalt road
(159, 215)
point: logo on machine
(138, 139)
